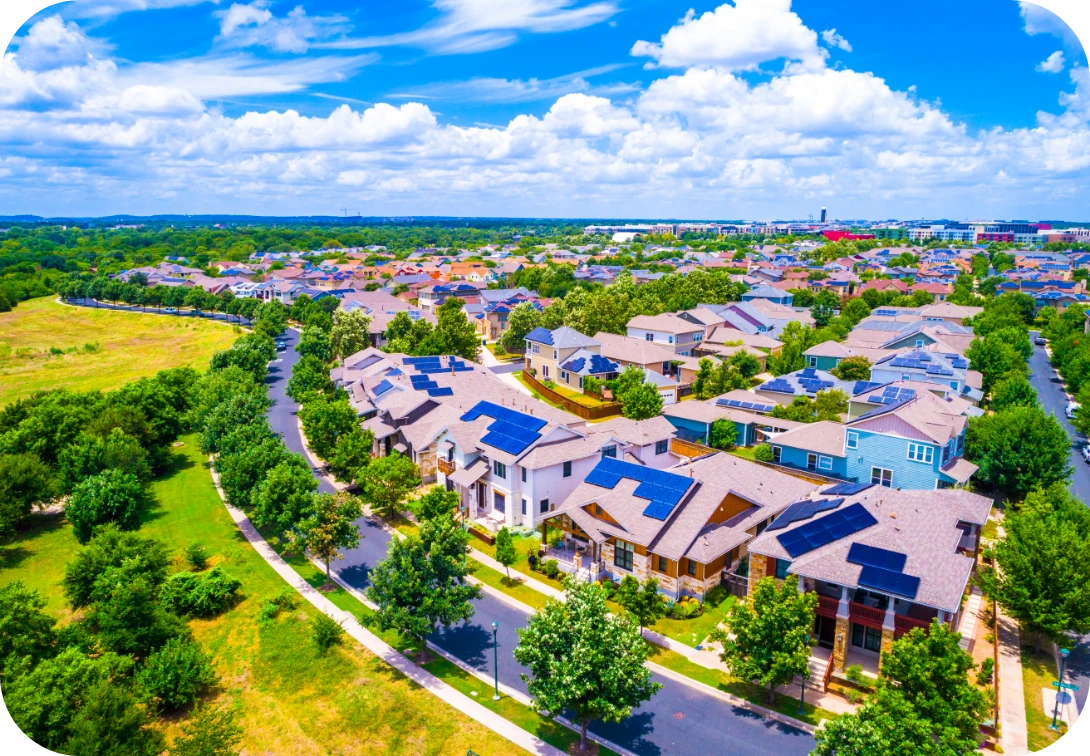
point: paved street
(678, 720)
(1050, 392)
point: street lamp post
(496, 660)
(802, 682)
(1060, 689)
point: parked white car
(1070, 409)
(1086, 453)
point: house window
(567, 469)
(662, 564)
(622, 555)
(825, 463)
(954, 385)
(853, 440)
(881, 477)
(544, 506)
(610, 451)
(670, 339)
(523, 474)
(499, 469)
(649, 337)
(661, 447)
(921, 453)
(781, 569)
(524, 506)
(556, 354)
(545, 371)
(691, 567)
(866, 637)
(811, 361)
(919, 343)
(564, 376)
(811, 461)
(777, 454)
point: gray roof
(920, 524)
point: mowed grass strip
(288, 698)
(98, 348)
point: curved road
(677, 720)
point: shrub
(326, 632)
(608, 586)
(209, 732)
(197, 556)
(548, 383)
(177, 673)
(987, 669)
(854, 674)
(551, 568)
(532, 560)
(687, 608)
(200, 595)
(763, 453)
(716, 595)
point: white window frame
(852, 440)
(564, 376)
(499, 469)
(812, 455)
(825, 463)
(924, 453)
(881, 476)
(777, 454)
(811, 361)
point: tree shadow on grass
(14, 553)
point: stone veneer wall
(425, 460)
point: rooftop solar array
(889, 581)
(914, 360)
(862, 387)
(871, 556)
(814, 385)
(383, 387)
(511, 431)
(803, 510)
(808, 373)
(663, 489)
(846, 489)
(779, 386)
(957, 361)
(435, 365)
(885, 313)
(575, 365)
(892, 395)
(423, 382)
(937, 369)
(755, 406)
(442, 391)
(831, 527)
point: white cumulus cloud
(1054, 63)
(736, 37)
(255, 25)
(832, 39)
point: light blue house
(693, 420)
(914, 443)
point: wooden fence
(587, 413)
(690, 449)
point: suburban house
(629, 350)
(914, 441)
(547, 350)
(432, 298)
(882, 562)
(687, 526)
(806, 382)
(759, 316)
(693, 420)
(669, 330)
(926, 366)
(769, 294)
(828, 354)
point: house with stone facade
(882, 562)
(688, 526)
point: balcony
(904, 624)
(445, 466)
(866, 615)
(827, 606)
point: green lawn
(100, 349)
(990, 531)
(724, 682)
(1038, 672)
(288, 698)
(692, 632)
(745, 452)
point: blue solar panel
(808, 373)
(575, 365)
(496, 412)
(831, 527)
(846, 489)
(826, 504)
(871, 556)
(864, 386)
(383, 387)
(662, 489)
(889, 581)
(444, 391)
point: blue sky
(764, 108)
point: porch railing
(903, 624)
(445, 466)
(866, 615)
(827, 606)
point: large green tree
(112, 496)
(350, 332)
(386, 481)
(766, 639)
(330, 527)
(454, 332)
(584, 660)
(642, 601)
(1043, 575)
(523, 319)
(1018, 449)
(25, 481)
(421, 583)
(325, 420)
(284, 497)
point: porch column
(889, 624)
(840, 642)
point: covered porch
(577, 554)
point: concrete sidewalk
(380, 648)
(1012, 701)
